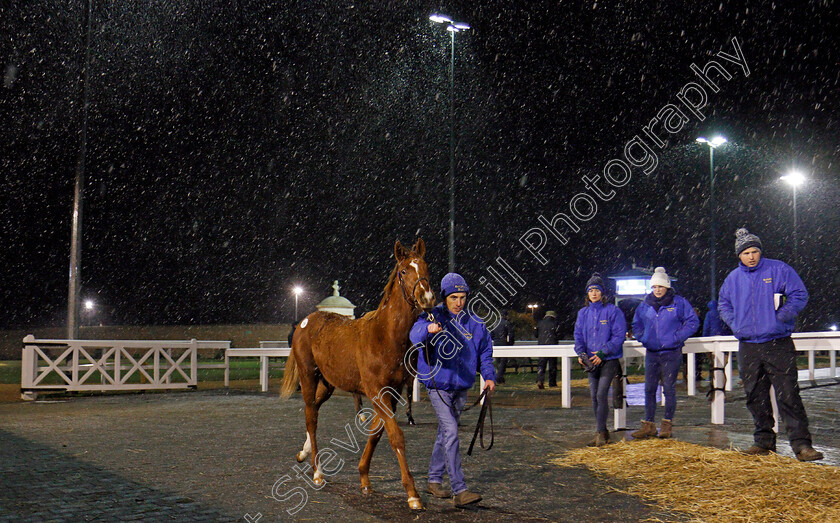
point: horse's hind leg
(322, 394)
(409, 395)
(357, 399)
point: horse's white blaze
(307, 448)
(429, 296)
(304, 322)
(416, 267)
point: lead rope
(486, 407)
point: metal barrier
(76, 363)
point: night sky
(236, 149)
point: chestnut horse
(364, 356)
(409, 394)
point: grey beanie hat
(744, 240)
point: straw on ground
(717, 485)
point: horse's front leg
(395, 436)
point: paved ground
(216, 456)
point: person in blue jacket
(454, 344)
(760, 300)
(662, 323)
(713, 325)
(600, 330)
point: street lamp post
(452, 27)
(714, 143)
(533, 307)
(298, 290)
(794, 179)
(89, 305)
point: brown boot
(462, 499)
(648, 430)
(756, 450)
(437, 490)
(601, 438)
(808, 454)
(665, 429)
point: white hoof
(415, 504)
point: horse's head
(413, 274)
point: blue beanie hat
(453, 282)
(596, 282)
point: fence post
(264, 373)
(28, 369)
(227, 369)
(811, 365)
(775, 409)
(566, 382)
(690, 382)
(416, 396)
(832, 362)
(194, 363)
(717, 381)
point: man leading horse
(454, 344)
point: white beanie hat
(660, 277)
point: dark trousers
(599, 389)
(552, 371)
(773, 363)
(661, 366)
(501, 367)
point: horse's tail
(291, 377)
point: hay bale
(717, 485)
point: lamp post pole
(297, 290)
(452, 27)
(713, 143)
(74, 283)
(452, 157)
(795, 179)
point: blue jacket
(458, 352)
(712, 324)
(747, 304)
(602, 328)
(667, 329)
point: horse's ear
(400, 252)
(419, 247)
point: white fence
(110, 365)
(75, 362)
(268, 349)
(719, 346)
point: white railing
(110, 365)
(268, 349)
(719, 346)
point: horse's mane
(386, 292)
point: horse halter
(411, 300)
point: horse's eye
(402, 271)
